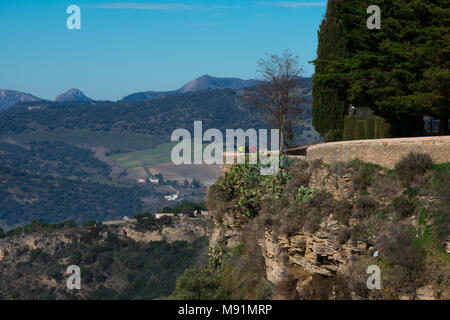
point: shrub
(381, 128)
(197, 284)
(305, 193)
(363, 174)
(344, 234)
(349, 126)
(333, 135)
(89, 223)
(406, 261)
(403, 206)
(413, 165)
(369, 128)
(359, 130)
(325, 288)
(364, 206)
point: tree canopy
(400, 71)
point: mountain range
(8, 98)
(205, 82)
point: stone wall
(384, 152)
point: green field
(157, 155)
(116, 141)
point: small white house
(126, 218)
(172, 197)
(153, 180)
(140, 181)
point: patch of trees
(53, 158)
(186, 208)
(400, 71)
(37, 226)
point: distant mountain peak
(72, 95)
(8, 98)
(207, 82)
(204, 82)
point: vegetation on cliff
(403, 214)
(113, 266)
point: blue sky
(125, 47)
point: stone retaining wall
(384, 152)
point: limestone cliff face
(316, 253)
(182, 230)
(324, 252)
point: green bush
(197, 284)
(363, 174)
(359, 133)
(89, 223)
(382, 128)
(369, 128)
(413, 166)
(244, 187)
(403, 206)
(349, 126)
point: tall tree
(330, 85)
(279, 96)
(400, 71)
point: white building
(153, 180)
(172, 197)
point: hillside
(26, 197)
(216, 108)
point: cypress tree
(329, 103)
(400, 71)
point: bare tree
(279, 96)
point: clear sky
(126, 47)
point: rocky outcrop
(337, 249)
(72, 95)
(318, 253)
(185, 229)
(228, 230)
